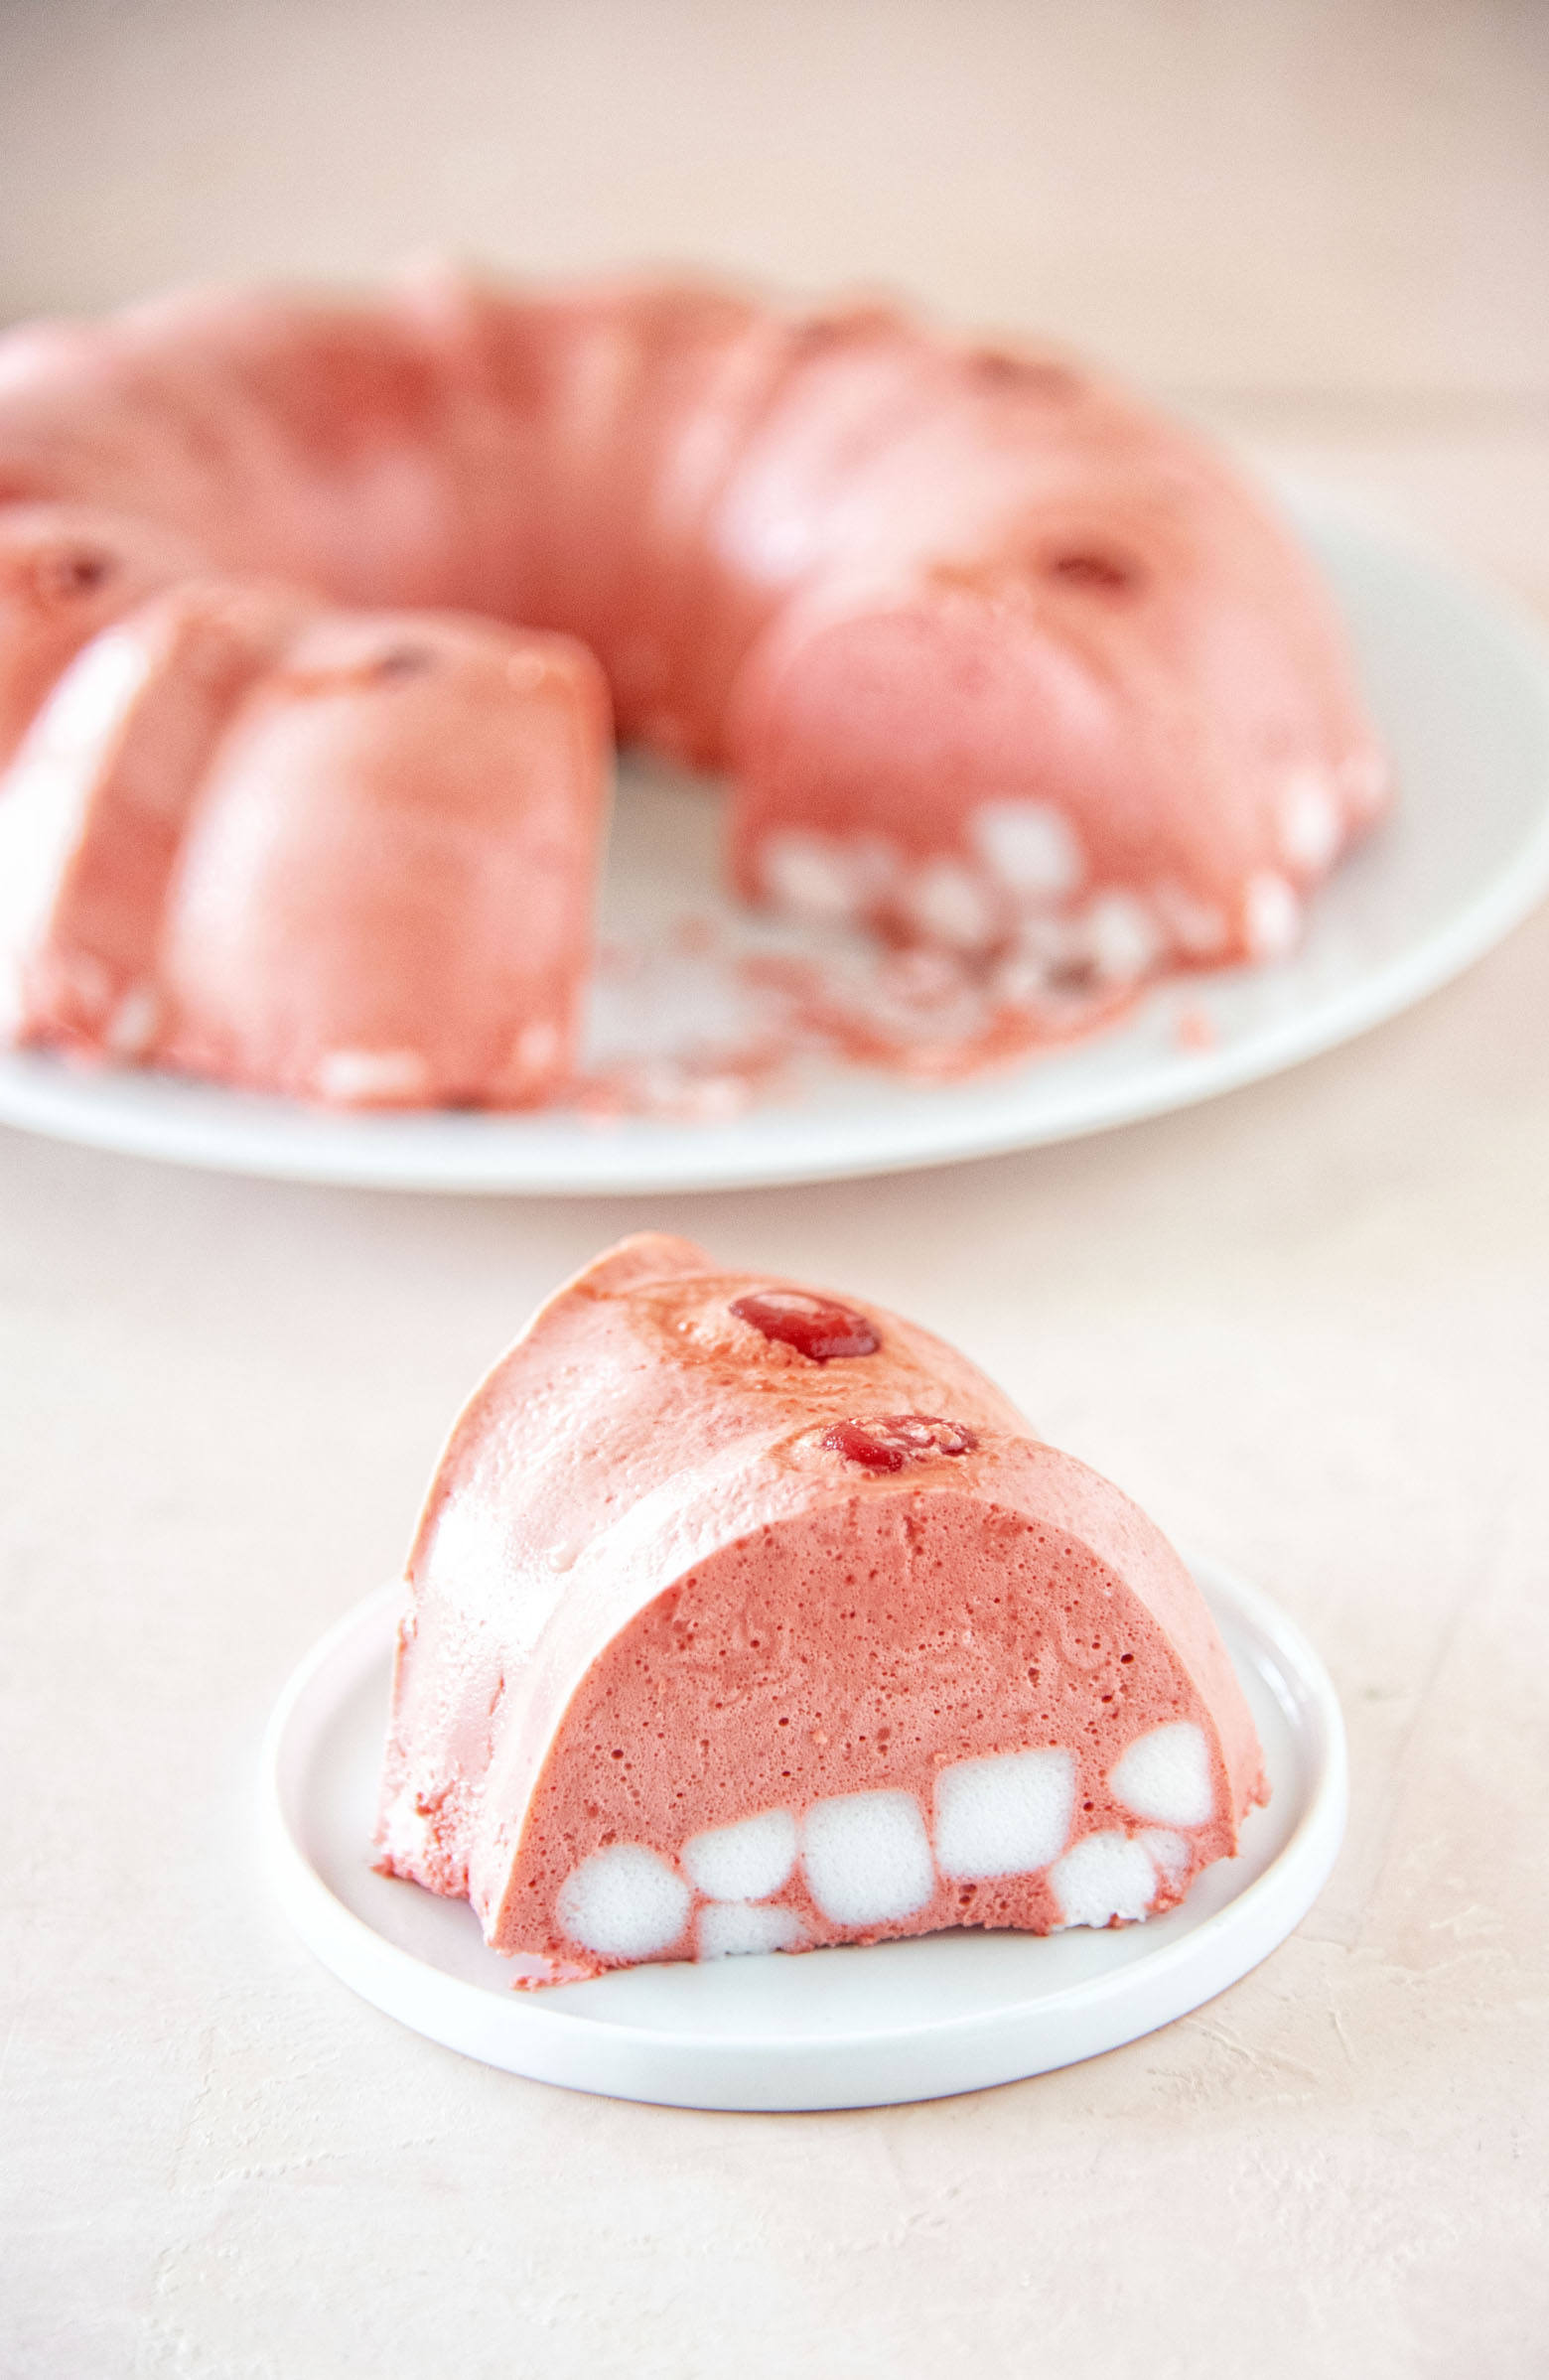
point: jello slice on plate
(740, 1617)
(342, 856)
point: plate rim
(1254, 1922)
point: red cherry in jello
(814, 1327)
(889, 1440)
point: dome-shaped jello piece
(716, 1644)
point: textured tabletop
(1305, 1326)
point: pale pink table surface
(1306, 1324)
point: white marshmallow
(1272, 916)
(1170, 1853)
(1166, 1776)
(132, 1027)
(1366, 777)
(1022, 981)
(947, 902)
(1105, 1876)
(1196, 926)
(624, 1902)
(1030, 848)
(745, 1862)
(717, 1096)
(867, 1857)
(1122, 937)
(367, 1077)
(806, 875)
(1310, 826)
(536, 1048)
(733, 1929)
(1005, 1815)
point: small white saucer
(917, 2019)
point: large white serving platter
(919, 2020)
(1460, 685)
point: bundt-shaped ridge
(996, 656)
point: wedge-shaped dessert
(741, 1619)
(345, 855)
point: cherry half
(815, 1327)
(80, 571)
(889, 1440)
(1102, 574)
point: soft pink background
(1306, 1325)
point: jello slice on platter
(342, 856)
(67, 572)
(744, 1617)
(1067, 687)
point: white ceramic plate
(917, 2019)
(1459, 686)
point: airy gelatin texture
(997, 657)
(714, 1645)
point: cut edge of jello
(879, 1719)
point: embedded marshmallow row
(1028, 856)
(868, 1858)
(1119, 936)
(1113, 1875)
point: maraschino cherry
(817, 1327)
(888, 1440)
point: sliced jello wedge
(714, 1644)
(345, 855)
